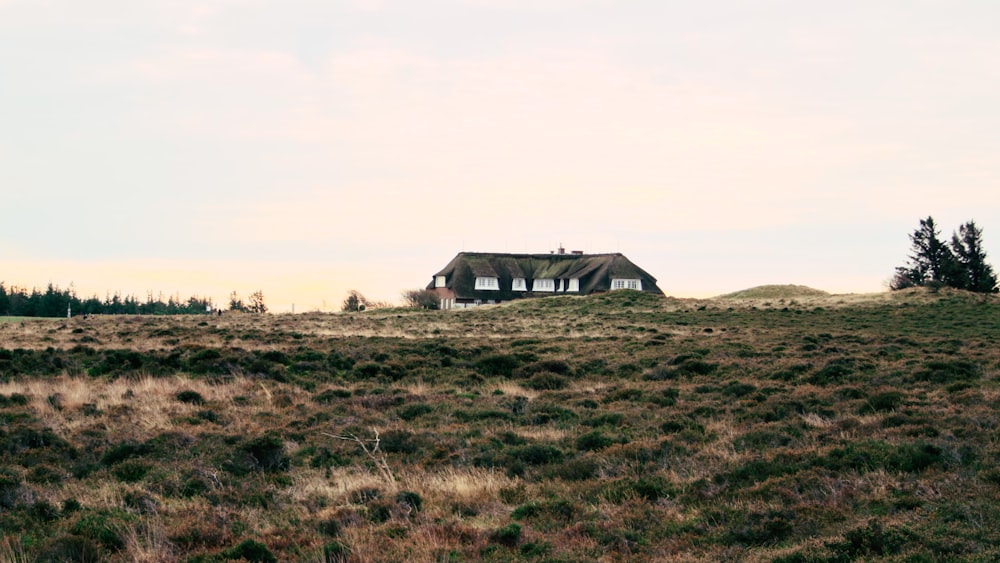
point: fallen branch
(374, 454)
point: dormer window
(544, 285)
(573, 284)
(519, 285)
(439, 281)
(488, 284)
(621, 283)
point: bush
(410, 412)
(264, 453)
(508, 535)
(75, 549)
(105, 526)
(537, 454)
(497, 365)
(546, 381)
(251, 551)
(190, 397)
(886, 401)
(948, 371)
(872, 540)
(592, 441)
(557, 367)
(421, 299)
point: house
(479, 278)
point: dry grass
(683, 430)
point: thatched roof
(594, 272)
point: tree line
(56, 302)
(959, 263)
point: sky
(305, 148)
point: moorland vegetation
(616, 427)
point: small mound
(775, 292)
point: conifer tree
(931, 261)
(975, 274)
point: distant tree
(257, 303)
(421, 299)
(4, 301)
(354, 302)
(235, 303)
(974, 273)
(961, 265)
(931, 261)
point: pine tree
(975, 274)
(257, 302)
(931, 261)
(235, 303)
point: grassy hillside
(618, 427)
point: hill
(775, 292)
(616, 427)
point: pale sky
(308, 147)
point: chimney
(561, 249)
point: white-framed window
(519, 285)
(439, 281)
(573, 284)
(560, 286)
(490, 284)
(544, 285)
(626, 284)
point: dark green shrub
(872, 540)
(365, 495)
(14, 399)
(833, 372)
(761, 528)
(537, 454)
(336, 552)
(508, 535)
(665, 398)
(607, 419)
(497, 365)
(885, 401)
(331, 396)
(415, 410)
(104, 526)
(190, 397)
(264, 453)
(123, 451)
(130, 471)
(544, 413)
(736, 389)
(580, 469)
(275, 356)
(546, 381)
(593, 441)
(557, 367)
(69, 549)
(648, 487)
(791, 373)
(410, 499)
(629, 394)
(398, 441)
(761, 440)
(942, 371)
(251, 551)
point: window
(439, 281)
(519, 285)
(491, 284)
(544, 285)
(626, 284)
(560, 287)
(573, 284)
